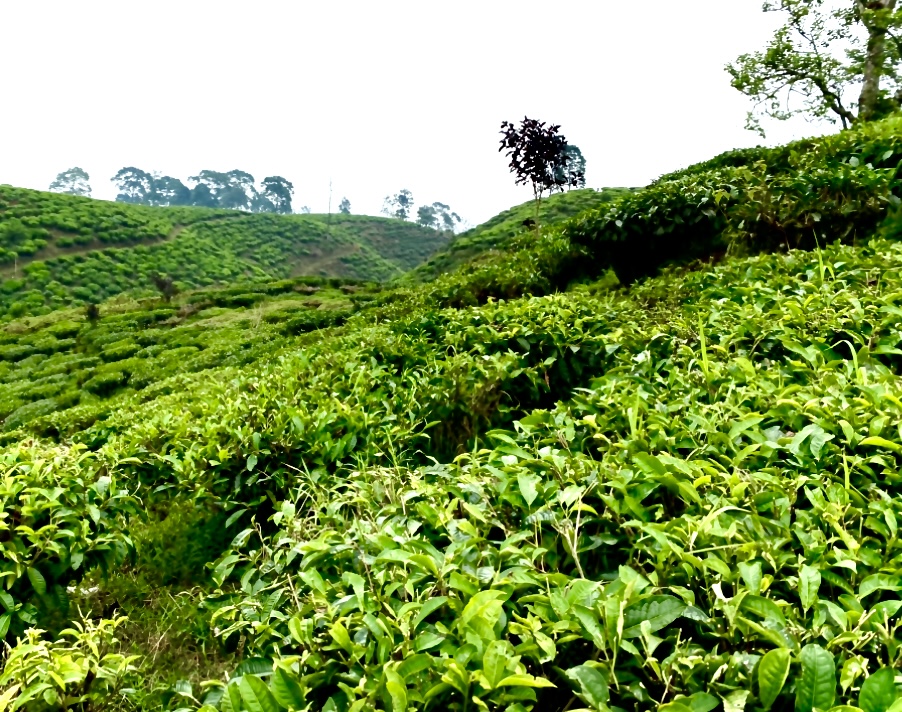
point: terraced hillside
(58, 250)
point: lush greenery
(485, 491)
(498, 231)
(63, 250)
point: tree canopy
(823, 52)
(73, 181)
(211, 189)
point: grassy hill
(58, 250)
(510, 488)
(503, 227)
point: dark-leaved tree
(170, 191)
(344, 207)
(538, 157)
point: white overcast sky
(377, 96)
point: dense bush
(814, 192)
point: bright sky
(377, 96)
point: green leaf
(877, 441)
(751, 575)
(529, 485)
(525, 681)
(878, 582)
(432, 605)
(256, 695)
(37, 581)
(659, 611)
(497, 655)
(591, 685)
(4, 624)
(772, 673)
(414, 664)
(816, 685)
(396, 690)
(287, 690)
(809, 583)
(878, 692)
(700, 702)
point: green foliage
(80, 670)
(91, 251)
(61, 517)
(55, 365)
(681, 496)
(815, 192)
(499, 231)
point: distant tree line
(235, 190)
(437, 216)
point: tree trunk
(876, 50)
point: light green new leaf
(878, 582)
(529, 485)
(525, 681)
(396, 690)
(878, 692)
(433, 604)
(816, 686)
(256, 695)
(497, 655)
(809, 583)
(877, 441)
(772, 673)
(751, 575)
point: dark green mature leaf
(659, 611)
(37, 581)
(591, 686)
(816, 685)
(879, 691)
(287, 690)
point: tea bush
(813, 192)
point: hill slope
(499, 230)
(58, 250)
(678, 496)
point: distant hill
(58, 250)
(494, 233)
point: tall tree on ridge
(399, 205)
(73, 181)
(274, 195)
(538, 157)
(135, 186)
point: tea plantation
(646, 460)
(58, 251)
